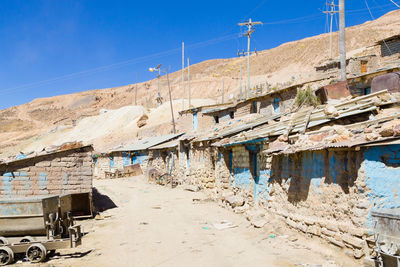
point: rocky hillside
(294, 60)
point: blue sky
(51, 47)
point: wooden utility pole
(342, 42)
(183, 75)
(250, 30)
(170, 101)
(190, 93)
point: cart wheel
(6, 256)
(36, 253)
(26, 239)
(3, 241)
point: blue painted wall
(195, 121)
(139, 158)
(242, 177)
(382, 174)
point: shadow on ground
(102, 202)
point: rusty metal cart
(42, 217)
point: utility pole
(342, 37)
(183, 76)
(170, 101)
(250, 30)
(331, 12)
(190, 93)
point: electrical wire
(395, 3)
(115, 65)
(366, 3)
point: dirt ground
(159, 226)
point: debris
(235, 201)
(143, 223)
(331, 111)
(192, 188)
(156, 207)
(206, 228)
(258, 222)
(99, 217)
(224, 224)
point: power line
(395, 3)
(114, 65)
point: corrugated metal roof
(148, 142)
(317, 117)
(170, 144)
(234, 129)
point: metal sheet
(170, 144)
(148, 142)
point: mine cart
(387, 236)
(35, 227)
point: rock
(142, 120)
(235, 201)
(372, 136)
(283, 138)
(259, 222)
(331, 111)
(386, 132)
(368, 130)
(353, 241)
(358, 253)
(364, 204)
(396, 130)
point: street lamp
(158, 68)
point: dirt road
(160, 226)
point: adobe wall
(57, 173)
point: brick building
(62, 171)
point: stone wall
(57, 173)
(101, 165)
(162, 161)
(243, 109)
(203, 159)
(328, 194)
